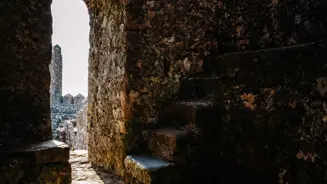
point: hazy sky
(71, 32)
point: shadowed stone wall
(249, 25)
(25, 43)
(166, 41)
(273, 128)
(141, 49)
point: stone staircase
(199, 137)
(174, 146)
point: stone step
(168, 143)
(46, 152)
(148, 170)
(43, 162)
(192, 114)
(200, 88)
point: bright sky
(71, 33)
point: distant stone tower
(56, 75)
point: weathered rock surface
(157, 43)
(168, 143)
(81, 129)
(273, 127)
(107, 99)
(83, 173)
(25, 43)
(41, 153)
(66, 132)
(45, 162)
(148, 170)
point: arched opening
(69, 72)
(69, 86)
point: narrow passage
(83, 173)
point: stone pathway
(83, 173)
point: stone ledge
(148, 170)
(41, 153)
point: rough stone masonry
(272, 126)
(140, 51)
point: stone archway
(69, 72)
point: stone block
(42, 153)
(45, 162)
(148, 170)
(168, 143)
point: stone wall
(274, 127)
(81, 127)
(166, 41)
(248, 25)
(65, 110)
(66, 132)
(141, 49)
(106, 98)
(72, 129)
(25, 43)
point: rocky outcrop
(81, 129)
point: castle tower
(56, 75)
